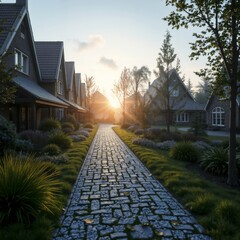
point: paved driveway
(116, 197)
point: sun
(114, 103)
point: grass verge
(43, 227)
(215, 207)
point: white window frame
(218, 117)
(21, 62)
(182, 117)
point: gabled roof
(9, 15)
(83, 90)
(70, 70)
(184, 104)
(78, 83)
(37, 91)
(49, 57)
(99, 97)
(11, 18)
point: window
(60, 113)
(60, 87)
(173, 91)
(182, 117)
(218, 117)
(21, 62)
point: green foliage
(60, 139)
(185, 151)
(49, 124)
(52, 150)
(215, 160)
(37, 138)
(68, 125)
(7, 135)
(7, 89)
(197, 126)
(88, 125)
(23, 145)
(202, 203)
(27, 189)
(71, 119)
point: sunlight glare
(114, 103)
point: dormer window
(174, 91)
(21, 62)
(60, 87)
(22, 33)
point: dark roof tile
(49, 57)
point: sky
(104, 36)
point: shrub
(125, 126)
(49, 125)
(166, 145)
(68, 125)
(77, 138)
(132, 128)
(185, 151)
(215, 160)
(7, 135)
(144, 142)
(27, 189)
(88, 125)
(37, 138)
(60, 139)
(201, 145)
(154, 133)
(83, 133)
(71, 119)
(52, 150)
(23, 145)
(59, 159)
(139, 131)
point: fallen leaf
(88, 221)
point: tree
(139, 78)
(189, 86)
(8, 89)
(121, 89)
(91, 88)
(218, 38)
(165, 59)
(203, 91)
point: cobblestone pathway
(116, 197)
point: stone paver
(116, 197)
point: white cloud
(94, 41)
(108, 62)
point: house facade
(41, 76)
(218, 113)
(171, 96)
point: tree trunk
(232, 164)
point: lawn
(215, 206)
(43, 227)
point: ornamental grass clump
(49, 125)
(215, 161)
(28, 189)
(52, 150)
(185, 151)
(60, 139)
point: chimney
(22, 3)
